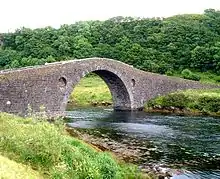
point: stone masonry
(49, 86)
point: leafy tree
(162, 45)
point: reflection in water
(189, 142)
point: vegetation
(205, 77)
(187, 74)
(162, 45)
(47, 148)
(190, 101)
(91, 90)
(10, 169)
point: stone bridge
(49, 86)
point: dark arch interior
(120, 95)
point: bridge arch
(118, 86)
(49, 86)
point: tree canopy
(159, 45)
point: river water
(190, 144)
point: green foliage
(9, 56)
(47, 148)
(158, 45)
(177, 100)
(217, 79)
(207, 101)
(169, 73)
(187, 74)
(207, 77)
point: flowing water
(191, 144)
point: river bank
(189, 102)
(180, 144)
(49, 150)
(128, 152)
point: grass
(214, 93)
(48, 149)
(11, 169)
(206, 77)
(191, 101)
(91, 90)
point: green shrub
(169, 73)
(178, 100)
(205, 101)
(209, 103)
(217, 78)
(195, 77)
(187, 74)
(153, 103)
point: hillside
(162, 45)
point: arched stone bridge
(50, 85)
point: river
(190, 144)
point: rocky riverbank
(128, 152)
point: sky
(41, 13)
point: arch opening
(108, 84)
(62, 82)
(120, 96)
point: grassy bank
(93, 91)
(197, 102)
(52, 153)
(11, 169)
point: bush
(169, 73)
(209, 103)
(178, 100)
(205, 101)
(217, 78)
(187, 74)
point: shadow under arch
(120, 95)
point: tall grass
(47, 148)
